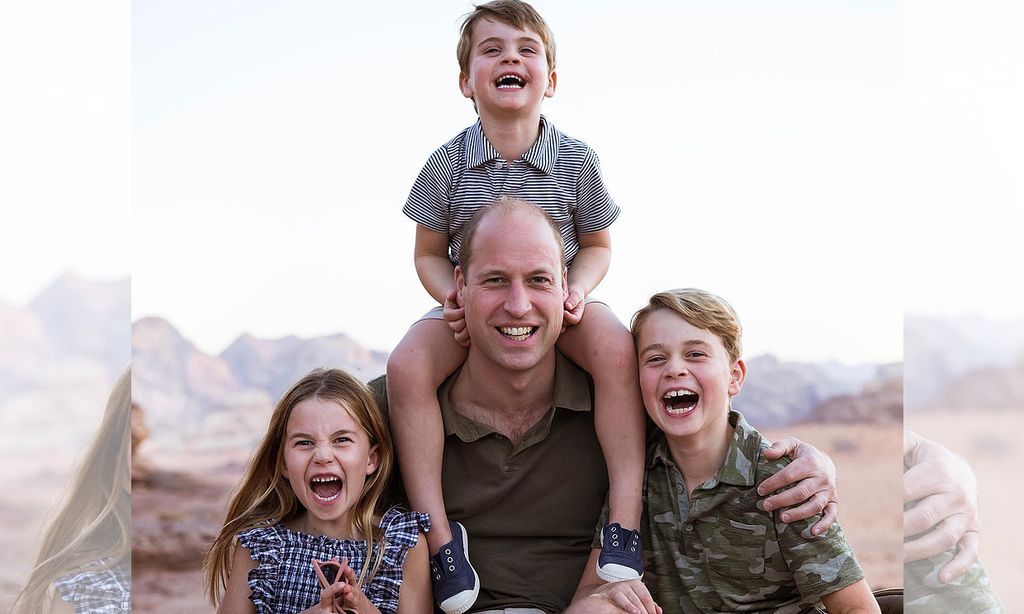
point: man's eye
(540, 280)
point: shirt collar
(541, 155)
(573, 392)
(740, 465)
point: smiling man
(523, 469)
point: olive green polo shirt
(716, 552)
(529, 507)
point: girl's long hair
(263, 497)
(92, 530)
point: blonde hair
(701, 309)
(515, 13)
(263, 497)
(92, 530)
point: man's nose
(517, 301)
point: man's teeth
(517, 332)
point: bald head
(505, 210)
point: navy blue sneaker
(456, 584)
(622, 557)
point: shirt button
(688, 527)
(500, 164)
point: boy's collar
(740, 465)
(541, 155)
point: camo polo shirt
(717, 552)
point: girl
(83, 563)
(309, 494)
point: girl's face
(327, 456)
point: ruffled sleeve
(401, 531)
(104, 591)
(265, 545)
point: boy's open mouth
(517, 333)
(510, 81)
(679, 402)
(325, 488)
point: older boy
(713, 550)
(507, 67)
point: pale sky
(765, 151)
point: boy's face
(508, 70)
(686, 375)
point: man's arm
(594, 596)
(813, 475)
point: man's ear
(460, 285)
(565, 283)
(737, 375)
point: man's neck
(512, 136)
(510, 402)
(700, 456)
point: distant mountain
(59, 356)
(777, 393)
(941, 351)
(194, 401)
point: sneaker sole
(616, 573)
(459, 603)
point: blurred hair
(701, 309)
(263, 496)
(505, 205)
(92, 529)
(515, 13)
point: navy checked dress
(98, 591)
(284, 581)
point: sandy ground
(989, 440)
(166, 569)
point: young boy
(507, 67)
(713, 549)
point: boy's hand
(813, 476)
(629, 596)
(574, 304)
(946, 511)
(455, 316)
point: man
(523, 470)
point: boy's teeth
(679, 393)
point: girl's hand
(352, 598)
(574, 304)
(328, 596)
(455, 316)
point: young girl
(309, 494)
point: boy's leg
(419, 364)
(602, 345)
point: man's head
(506, 56)
(689, 344)
(511, 282)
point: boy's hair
(701, 309)
(264, 497)
(506, 205)
(515, 13)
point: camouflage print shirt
(717, 552)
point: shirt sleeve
(595, 209)
(820, 565)
(429, 199)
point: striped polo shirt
(559, 174)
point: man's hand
(455, 316)
(574, 305)
(629, 596)
(945, 513)
(814, 476)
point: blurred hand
(814, 476)
(944, 492)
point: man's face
(514, 290)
